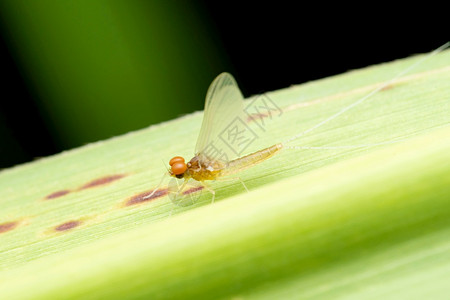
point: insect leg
(234, 178)
(180, 189)
(157, 187)
(245, 187)
(210, 190)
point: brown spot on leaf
(5, 227)
(68, 225)
(144, 197)
(102, 181)
(256, 117)
(387, 87)
(57, 194)
(193, 190)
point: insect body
(215, 159)
(201, 168)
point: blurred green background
(102, 68)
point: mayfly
(215, 159)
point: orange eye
(176, 159)
(179, 168)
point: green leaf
(360, 223)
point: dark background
(266, 47)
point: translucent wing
(224, 134)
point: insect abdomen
(247, 161)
